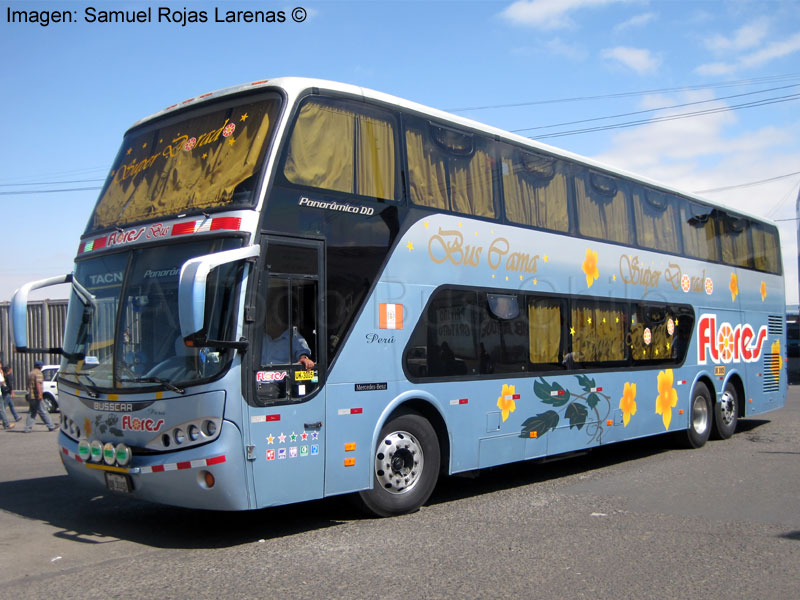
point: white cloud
(549, 14)
(758, 58)
(702, 154)
(640, 60)
(635, 22)
(746, 37)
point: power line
(50, 182)
(749, 184)
(711, 111)
(723, 84)
(30, 192)
(640, 112)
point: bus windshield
(128, 336)
(202, 160)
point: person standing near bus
(8, 393)
(3, 417)
(35, 381)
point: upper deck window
(343, 147)
(656, 216)
(535, 189)
(449, 170)
(603, 208)
(199, 160)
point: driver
(275, 349)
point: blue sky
(68, 91)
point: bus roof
(295, 86)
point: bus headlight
(96, 451)
(84, 450)
(123, 454)
(109, 453)
(194, 432)
(210, 428)
(179, 436)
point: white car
(49, 389)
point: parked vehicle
(49, 388)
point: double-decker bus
(295, 288)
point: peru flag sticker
(391, 316)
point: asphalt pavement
(641, 519)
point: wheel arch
(425, 405)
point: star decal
(282, 438)
(304, 436)
(293, 437)
(410, 246)
(231, 141)
(315, 435)
(270, 439)
(244, 117)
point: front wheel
(406, 466)
(49, 403)
(699, 417)
(726, 413)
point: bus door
(285, 396)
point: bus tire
(700, 410)
(406, 466)
(726, 413)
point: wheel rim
(399, 462)
(727, 408)
(699, 415)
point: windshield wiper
(92, 389)
(167, 384)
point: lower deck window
(466, 333)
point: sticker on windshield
(271, 376)
(91, 360)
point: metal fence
(46, 320)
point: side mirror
(192, 285)
(19, 312)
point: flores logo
(130, 423)
(726, 343)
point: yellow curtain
(426, 173)
(699, 233)
(537, 202)
(194, 165)
(660, 341)
(602, 215)
(735, 246)
(321, 149)
(376, 162)
(765, 249)
(598, 335)
(544, 332)
(471, 185)
(655, 221)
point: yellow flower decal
(627, 403)
(506, 400)
(777, 364)
(667, 396)
(590, 267)
(734, 286)
(763, 291)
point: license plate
(119, 482)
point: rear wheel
(726, 413)
(406, 466)
(699, 417)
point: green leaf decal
(577, 413)
(586, 383)
(592, 400)
(541, 424)
(551, 393)
(542, 389)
